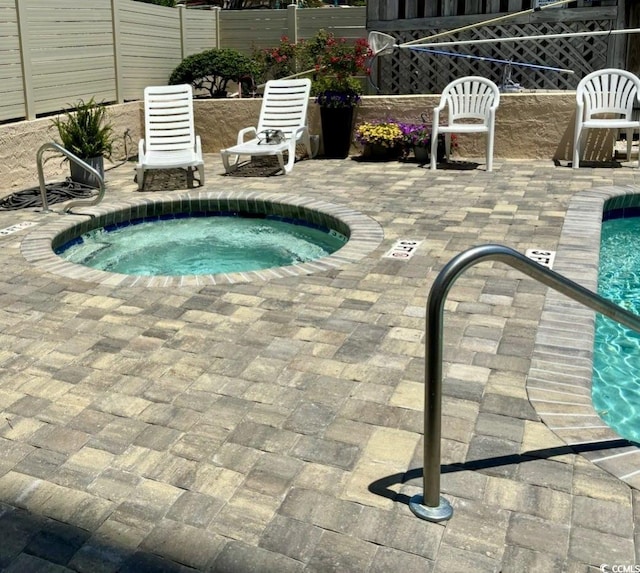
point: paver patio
(276, 426)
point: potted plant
(417, 138)
(380, 139)
(337, 65)
(86, 133)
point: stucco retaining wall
(528, 126)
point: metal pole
(431, 506)
(523, 38)
(75, 159)
(485, 22)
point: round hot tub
(203, 238)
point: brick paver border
(559, 381)
(364, 234)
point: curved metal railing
(431, 505)
(78, 203)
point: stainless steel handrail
(431, 505)
(43, 190)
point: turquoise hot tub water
(616, 362)
(210, 243)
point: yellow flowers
(387, 134)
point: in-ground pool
(616, 362)
(203, 243)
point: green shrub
(85, 132)
(212, 70)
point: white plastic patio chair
(284, 110)
(609, 91)
(469, 98)
(170, 139)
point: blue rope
(495, 60)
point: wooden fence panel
(150, 44)
(409, 71)
(70, 49)
(249, 30)
(12, 104)
(345, 22)
(200, 26)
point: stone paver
(275, 424)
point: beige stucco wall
(20, 141)
(528, 126)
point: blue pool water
(201, 245)
(616, 367)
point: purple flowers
(338, 99)
(416, 134)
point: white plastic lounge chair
(170, 139)
(469, 98)
(608, 91)
(281, 126)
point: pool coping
(365, 235)
(559, 380)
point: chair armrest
(141, 151)
(244, 132)
(435, 118)
(198, 146)
(299, 131)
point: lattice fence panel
(409, 71)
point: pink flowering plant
(285, 59)
(337, 65)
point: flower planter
(337, 127)
(376, 152)
(80, 175)
(421, 154)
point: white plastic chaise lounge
(469, 98)
(611, 92)
(281, 126)
(170, 139)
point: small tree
(212, 70)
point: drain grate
(17, 227)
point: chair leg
(225, 161)
(434, 149)
(314, 142)
(190, 177)
(490, 151)
(140, 178)
(576, 147)
(201, 174)
(290, 160)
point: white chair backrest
(168, 118)
(608, 91)
(284, 105)
(471, 97)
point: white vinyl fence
(54, 53)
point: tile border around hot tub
(364, 233)
(559, 380)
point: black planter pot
(80, 175)
(337, 129)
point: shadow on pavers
(382, 487)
